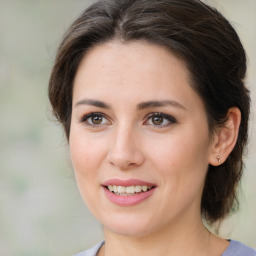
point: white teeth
(121, 189)
(144, 188)
(128, 190)
(138, 189)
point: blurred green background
(41, 212)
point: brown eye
(160, 120)
(157, 120)
(96, 119)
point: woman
(152, 98)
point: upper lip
(129, 182)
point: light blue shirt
(235, 248)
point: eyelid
(85, 117)
(171, 120)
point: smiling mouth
(128, 190)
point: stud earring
(218, 158)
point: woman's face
(138, 128)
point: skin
(128, 143)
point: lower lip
(128, 200)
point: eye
(160, 119)
(95, 119)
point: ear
(225, 138)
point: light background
(41, 212)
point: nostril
(125, 161)
(125, 153)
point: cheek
(85, 152)
(84, 159)
(182, 161)
(81, 158)
(179, 152)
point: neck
(178, 239)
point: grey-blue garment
(235, 248)
(238, 249)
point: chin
(129, 230)
(135, 227)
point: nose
(126, 151)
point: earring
(218, 158)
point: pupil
(96, 119)
(157, 120)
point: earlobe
(225, 138)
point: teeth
(121, 189)
(128, 190)
(138, 189)
(144, 188)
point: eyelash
(85, 119)
(165, 118)
(170, 120)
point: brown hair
(197, 34)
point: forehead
(146, 70)
(134, 59)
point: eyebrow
(162, 103)
(141, 106)
(95, 103)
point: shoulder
(92, 251)
(235, 249)
(238, 249)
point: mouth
(128, 190)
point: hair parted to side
(198, 35)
